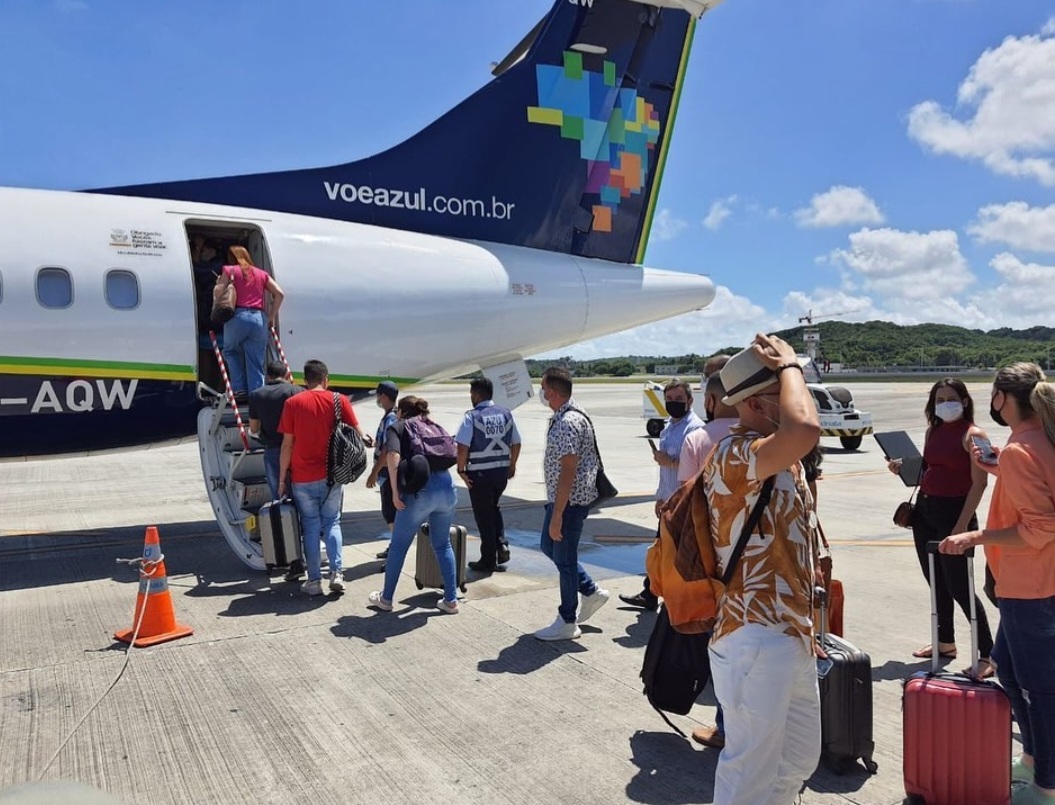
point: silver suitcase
(280, 533)
(427, 568)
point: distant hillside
(872, 344)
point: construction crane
(812, 335)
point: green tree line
(867, 345)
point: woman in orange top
(1019, 541)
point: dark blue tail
(563, 150)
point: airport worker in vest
(265, 412)
(387, 394)
(307, 421)
(762, 650)
(677, 398)
(488, 449)
(570, 470)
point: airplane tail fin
(563, 150)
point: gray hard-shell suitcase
(427, 568)
(280, 533)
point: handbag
(346, 453)
(224, 302)
(905, 512)
(605, 488)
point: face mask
(762, 411)
(543, 397)
(949, 411)
(676, 408)
(994, 412)
(709, 415)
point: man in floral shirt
(762, 650)
(570, 468)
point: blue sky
(889, 159)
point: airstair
(232, 463)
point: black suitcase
(846, 701)
(280, 533)
(427, 569)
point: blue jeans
(244, 347)
(272, 465)
(320, 514)
(434, 503)
(565, 555)
(1025, 665)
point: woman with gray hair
(1019, 541)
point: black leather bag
(225, 300)
(905, 513)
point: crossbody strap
(593, 433)
(336, 410)
(752, 521)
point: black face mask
(995, 413)
(676, 408)
(709, 415)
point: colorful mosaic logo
(616, 129)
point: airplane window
(122, 289)
(54, 287)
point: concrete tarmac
(281, 698)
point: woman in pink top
(1019, 541)
(245, 336)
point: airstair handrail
(230, 391)
(281, 352)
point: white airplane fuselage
(371, 302)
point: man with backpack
(488, 448)
(308, 420)
(762, 652)
(570, 468)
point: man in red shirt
(306, 424)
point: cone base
(125, 636)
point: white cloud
(1021, 299)
(730, 320)
(1016, 224)
(1049, 28)
(667, 226)
(910, 265)
(840, 206)
(720, 210)
(1011, 91)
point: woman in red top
(951, 489)
(245, 335)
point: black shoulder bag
(605, 488)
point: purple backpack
(428, 439)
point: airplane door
(257, 247)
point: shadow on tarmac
(670, 770)
(526, 655)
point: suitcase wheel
(420, 585)
(871, 765)
(463, 587)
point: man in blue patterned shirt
(570, 469)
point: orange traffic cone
(159, 620)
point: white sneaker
(559, 630)
(450, 607)
(375, 600)
(337, 582)
(312, 587)
(591, 603)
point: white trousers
(767, 685)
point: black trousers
(487, 487)
(933, 520)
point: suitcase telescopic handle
(822, 596)
(932, 550)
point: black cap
(389, 389)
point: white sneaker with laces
(450, 607)
(312, 587)
(591, 603)
(559, 630)
(376, 600)
(337, 582)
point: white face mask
(949, 411)
(542, 397)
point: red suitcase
(957, 730)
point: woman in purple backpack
(423, 493)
